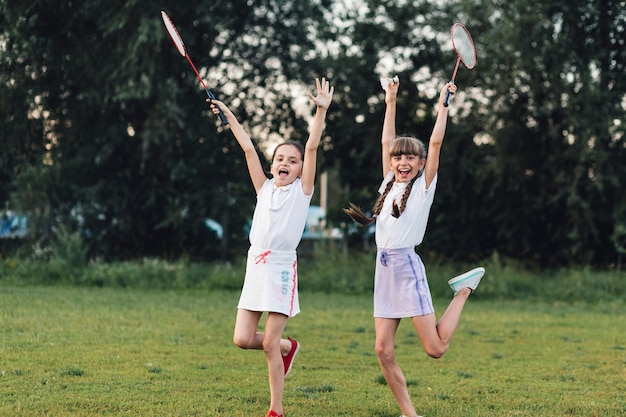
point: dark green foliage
(105, 129)
(553, 174)
(107, 105)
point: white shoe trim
(469, 279)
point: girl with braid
(401, 214)
(271, 281)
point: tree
(552, 93)
(107, 129)
(110, 107)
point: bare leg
(436, 337)
(272, 347)
(246, 336)
(246, 325)
(385, 351)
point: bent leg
(246, 325)
(435, 336)
(385, 351)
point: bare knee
(436, 351)
(271, 346)
(385, 353)
(240, 342)
(243, 342)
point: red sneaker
(288, 359)
(272, 414)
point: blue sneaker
(470, 280)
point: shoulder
(298, 186)
(267, 185)
(433, 183)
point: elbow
(434, 144)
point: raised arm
(389, 123)
(255, 168)
(322, 100)
(436, 137)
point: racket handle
(221, 114)
(447, 99)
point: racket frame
(459, 58)
(180, 46)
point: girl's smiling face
(405, 167)
(407, 158)
(287, 164)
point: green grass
(68, 351)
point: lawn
(68, 351)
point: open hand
(324, 93)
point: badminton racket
(464, 48)
(178, 42)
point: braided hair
(401, 146)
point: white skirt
(400, 285)
(271, 282)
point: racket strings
(464, 46)
(171, 30)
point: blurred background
(106, 135)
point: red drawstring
(262, 257)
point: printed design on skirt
(262, 257)
(281, 289)
(383, 258)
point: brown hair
(298, 146)
(403, 145)
(406, 145)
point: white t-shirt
(408, 230)
(280, 216)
